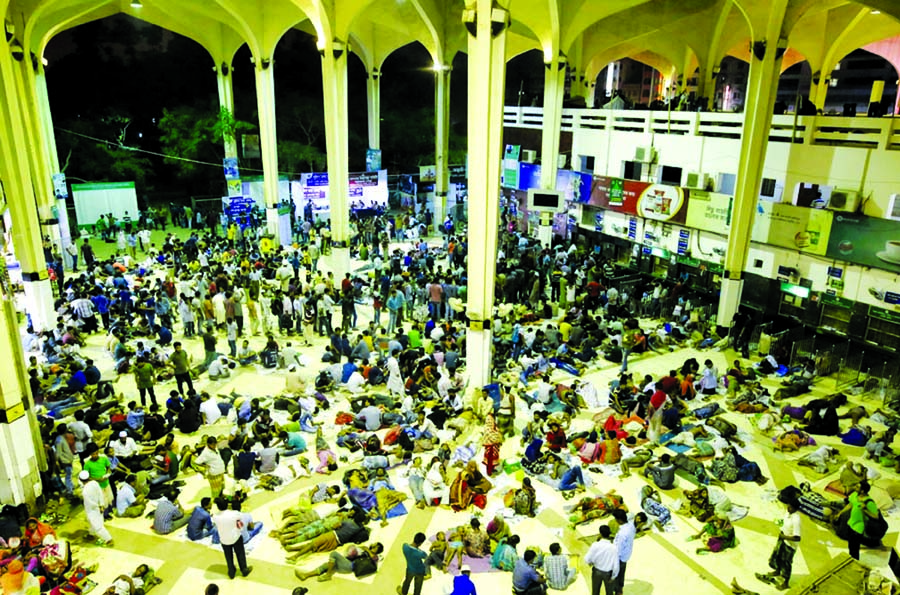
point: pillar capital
(500, 19)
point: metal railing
(858, 132)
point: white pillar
(15, 171)
(334, 84)
(761, 90)
(268, 141)
(373, 97)
(21, 452)
(226, 101)
(554, 89)
(442, 141)
(487, 70)
(51, 158)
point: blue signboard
(598, 221)
(373, 159)
(632, 228)
(317, 179)
(238, 206)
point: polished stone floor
(662, 562)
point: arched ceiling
(682, 35)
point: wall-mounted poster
(427, 173)
(234, 187)
(869, 241)
(653, 201)
(789, 226)
(230, 165)
(373, 159)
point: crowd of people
(377, 407)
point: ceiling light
(875, 12)
(136, 4)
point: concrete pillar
(590, 99)
(818, 92)
(226, 101)
(373, 96)
(15, 171)
(334, 75)
(554, 88)
(51, 158)
(761, 90)
(21, 451)
(36, 152)
(487, 27)
(441, 141)
(268, 140)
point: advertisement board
(652, 201)
(789, 226)
(373, 159)
(709, 211)
(366, 190)
(868, 241)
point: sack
(364, 566)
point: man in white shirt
(782, 558)
(220, 368)
(211, 459)
(128, 503)
(603, 558)
(290, 356)
(210, 409)
(125, 447)
(229, 524)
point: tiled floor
(661, 563)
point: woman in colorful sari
(497, 530)
(491, 440)
(36, 531)
(505, 556)
(470, 487)
(720, 534)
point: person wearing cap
(415, 565)
(94, 504)
(125, 448)
(462, 583)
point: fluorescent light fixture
(136, 4)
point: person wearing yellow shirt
(266, 246)
(565, 329)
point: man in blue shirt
(462, 583)
(526, 580)
(76, 382)
(415, 565)
(200, 524)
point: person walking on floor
(228, 524)
(603, 558)
(94, 504)
(415, 565)
(782, 559)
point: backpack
(269, 358)
(364, 566)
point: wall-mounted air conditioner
(893, 210)
(696, 180)
(529, 156)
(771, 190)
(844, 200)
(645, 155)
(725, 183)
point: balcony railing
(860, 132)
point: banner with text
(790, 226)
